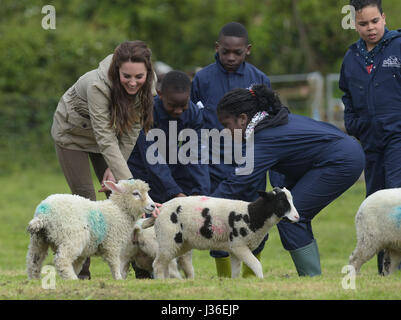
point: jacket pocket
(78, 123)
(77, 114)
(358, 94)
(397, 76)
(387, 91)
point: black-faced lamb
(76, 228)
(378, 227)
(205, 223)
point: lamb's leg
(160, 265)
(235, 266)
(173, 271)
(115, 266)
(37, 253)
(362, 253)
(391, 261)
(125, 268)
(77, 264)
(63, 261)
(185, 262)
(245, 255)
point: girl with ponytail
(313, 159)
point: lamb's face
(278, 202)
(291, 214)
(132, 194)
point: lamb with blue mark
(98, 225)
(204, 223)
(42, 208)
(76, 228)
(378, 227)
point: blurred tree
(38, 65)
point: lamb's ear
(261, 193)
(113, 187)
(277, 190)
(266, 195)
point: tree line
(38, 65)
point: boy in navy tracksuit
(209, 85)
(172, 179)
(318, 160)
(371, 80)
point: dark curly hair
(234, 29)
(176, 81)
(250, 101)
(360, 4)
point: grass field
(333, 228)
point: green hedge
(37, 66)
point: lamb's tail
(35, 225)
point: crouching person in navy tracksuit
(173, 112)
(318, 160)
(371, 80)
(169, 178)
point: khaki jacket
(82, 121)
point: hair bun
(267, 99)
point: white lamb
(145, 250)
(378, 227)
(205, 223)
(76, 228)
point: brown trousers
(76, 168)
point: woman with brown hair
(100, 117)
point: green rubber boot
(307, 260)
(246, 271)
(223, 267)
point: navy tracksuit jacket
(208, 87)
(319, 163)
(167, 180)
(373, 110)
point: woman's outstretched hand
(108, 176)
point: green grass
(333, 228)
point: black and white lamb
(76, 228)
(378, 227)
(205, 223)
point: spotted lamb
(145, 250)
(378, 227)
(76, 228)
(205, 223)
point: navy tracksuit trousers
(318, 188)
